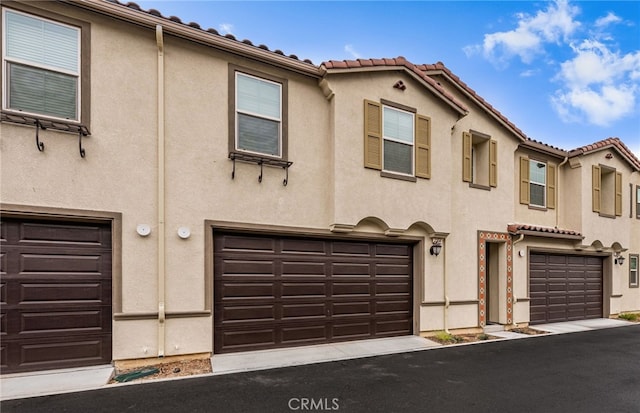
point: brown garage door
(288, 291)
(564, 287)
(56, 295)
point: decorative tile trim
(497, 237)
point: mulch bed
(172, 369)
(464, 338)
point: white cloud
(552, 25)
(529, 73)
(226, 28)
(598, 85)
(607, 20)
(353, 52)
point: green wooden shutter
(493, 163)
(551, 186)
(372, 135)
(595, 188)
(466, 157)
(524, 180)
(423, 146)
(618, 202)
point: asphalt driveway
(594, 371)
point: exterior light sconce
(618, 259)
(436, 247)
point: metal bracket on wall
(44, 124)
(260, 160)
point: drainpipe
(566, 158)
(161, 195)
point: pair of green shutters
(373, 140)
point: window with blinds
(258, 115)
(41, 66)
(398, 140)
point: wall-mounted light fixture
(618, 259)
(436, 247)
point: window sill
(478, 186)
(398, 176)
(603, 215)
(538, 208)
(260, 160)
(44, 122)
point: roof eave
(203, 37)
(539, 147)
(461, 110)
(440, 72)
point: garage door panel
(306, 246)
(303, 269)
(392, 250)
(351, 289)
(249, 313)
(241, 243)
(392, 327)
(244, 268)
(351, 248)
(321, 290)
(308, 289)
(63, 293)
(303, 311)
(339, 269)
(351, 309)
(304, 334)
(52, 234)
(565, 287)
(61, 322)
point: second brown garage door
(286, 291)
(564, 287)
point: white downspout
(566, 159)
(444, 287)
(161, 196)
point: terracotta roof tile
(517, 228)
(175, 19)
(395, 62)
(607, 143)
(439, 66)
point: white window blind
(259, 115)
(398, 141)
(42, 61)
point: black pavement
(594, 371)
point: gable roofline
(608, 143)
(132, 13)
(543, 148)
(440, 69)
(398, 63)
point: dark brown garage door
(56, 295)
(288, 291)
(564, 287)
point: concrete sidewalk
(22, 385)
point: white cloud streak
(226, 28)
(552, 25)
(352, 52)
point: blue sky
(565, 72)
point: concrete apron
(22, 385)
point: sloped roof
(605, 144)
(543, 231)
(400, 61)
(440, 69)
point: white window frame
(412, 144)
(544, 185)
(244, 112)
(6, 60)
(633, 279)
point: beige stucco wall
(327, 182)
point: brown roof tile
(608, 143)
(156, 13)
(517, 228)
(440, 67)
(395, 62)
